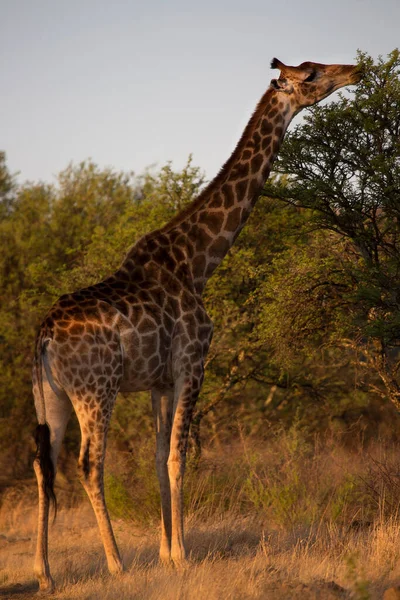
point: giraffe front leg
(186, 393)
(162, 410)
(176, 470)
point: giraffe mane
(223, 173)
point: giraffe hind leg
(41, 566)
(91, 473)
(49, 436)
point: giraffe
(145, 327)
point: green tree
(343, 163)
(7, 186)
(55, 239)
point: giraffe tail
(42, 433)
(43, 455)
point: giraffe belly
(146, 362)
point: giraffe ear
(276, 85)
(282, 85)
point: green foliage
(347, 281)
(342, 497)
(305, 306)
(282, 492)
(131, 484)
(119, 502)
(56, 239)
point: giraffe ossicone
(145, 327)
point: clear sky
(134, 83)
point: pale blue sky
(131, 83)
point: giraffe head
(311, 82)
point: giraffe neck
(212, 222)
(199, 237)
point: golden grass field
(287, 521)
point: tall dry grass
(293, 518)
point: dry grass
(231, 559)
(329, 530)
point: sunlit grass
(291, 520)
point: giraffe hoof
(165, 555)
(46, 588)
(116, 568)
(166, 560)
(181, 564)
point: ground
(230, 559)
(287, 519)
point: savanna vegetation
(294, 435)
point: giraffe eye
(310, 78)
